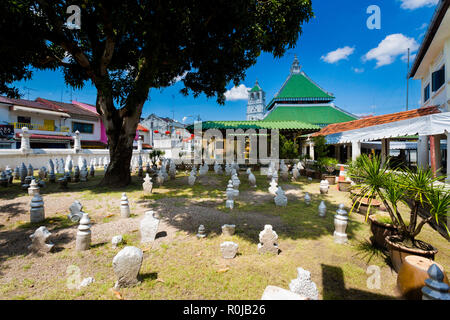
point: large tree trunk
(120, 128)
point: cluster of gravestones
(137, 165)
(66, 169)
(79, 172)
(25, 174)
(123, 266)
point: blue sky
(363, 68)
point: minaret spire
(295, 68)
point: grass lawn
(180, 266)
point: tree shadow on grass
(296, 221)
(15, 242)
(12, 209)
(334, 288)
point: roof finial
(295, 68)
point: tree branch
(109, 42)
(57, 36)
(420, 226)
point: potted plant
(381, 227)
(393, 187)
(329, 164)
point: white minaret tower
(256, 103)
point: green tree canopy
(126, 48)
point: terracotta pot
(331, 179)
(317, 175)
(364, 206)
(310, 173)
(380, 231)
(399, 252)
(344, 186)
(412, 275)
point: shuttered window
(438, 78)
(426, 93)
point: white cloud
(423, 26)
(237, 93)
(411, 57)
(358, 70)
(415, 4)
(338, 54)
(390, 48)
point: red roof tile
(31, 104)
(142, 128)
(376, 120)
(70, 108)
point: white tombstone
(172, 170)
(192, 178)
(149, 227)
(228, 229)
(324, 186)
(277, 293)
(340, 225)
(201, 233)
(38, 240)
(268, 240)
(124, 206)
(307, 199)
(303, 285)
(126, 265)
(251, 179)
(229, 249)
(295, 174)
(147, 186)
(83, 240)
(75, 211)
(34, 188)
(273, 187)
(37, 212)
(116, 240)
(280, 198)
(322, 209)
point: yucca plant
(394, 187)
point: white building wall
(4, 113)
(39, 157)
(440, 97)
(85, 136)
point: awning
(434, 124)
(36, 110)
(280, 125)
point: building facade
(162, 129)
(432, 63)
(51, 124)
